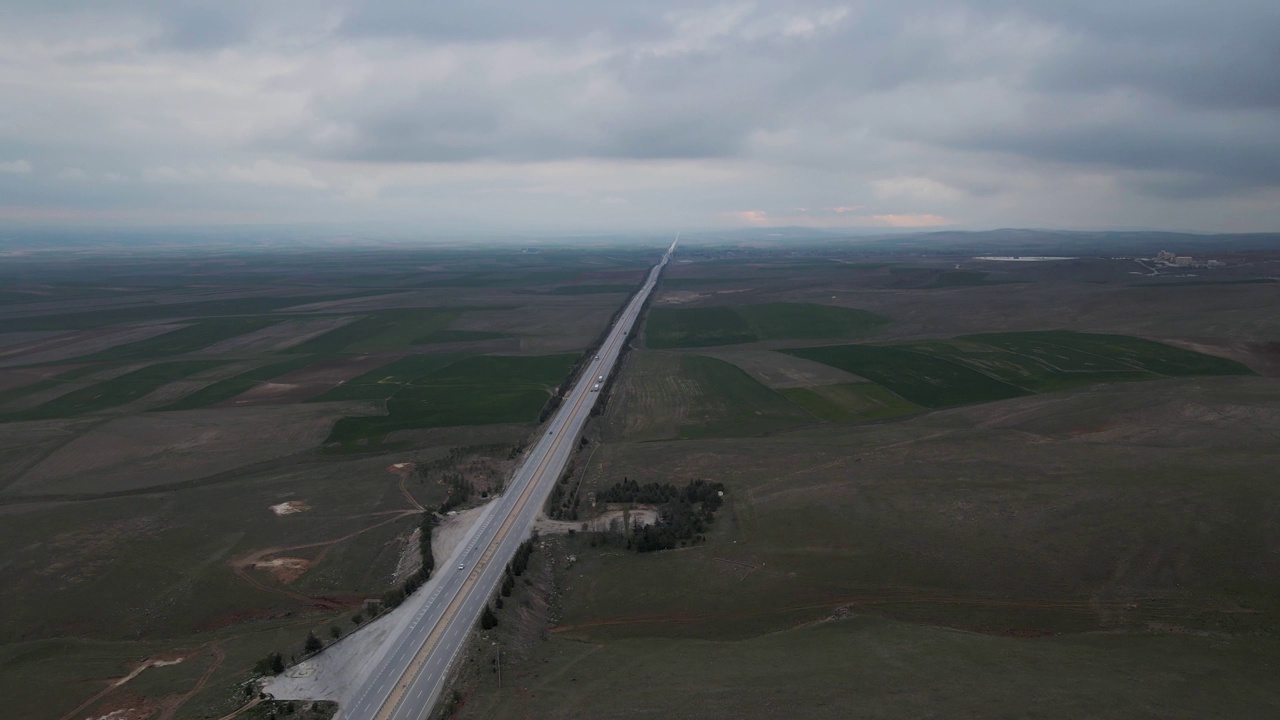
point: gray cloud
(570, 111)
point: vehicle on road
(462, 566)
(595, 388)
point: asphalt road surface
(409, 677)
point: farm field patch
(385, 381)
(1043, 514)
(977, 368)
(196, 336)
(149, 449)
(867, 667)
(383, 331)
(667, 395)
(849, 402)
(918, 378)
(231, 387)
(591, 289)
(111, 393)
(731, 325)
(478, 390)
(446, 336)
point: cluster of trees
(456, 455)
(396, 595)
(520, 562)
(460, 491)
(425, 529)
(563, 502)
(684, 513)
(468, 457)
(514, 569)
(272, 664)
(696, 491)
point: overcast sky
(589, 115)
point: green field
(668, 395)
(1067, 352)
(849, 402)
(591, 289)
(505, 279)
(233, 386)
(477, 390)
(25, 390)
(387, 330)
(1198, 283)
(922, 379)
(696, 327)
(863, 667)
(183, 340)
(995, 366)
(677, 283)
(723, 325)
(117, 391)
(389, 379)
(175, 311)
(456, 336)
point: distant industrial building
(1167, 259)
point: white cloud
(273, 174)
(920, 189)
(15, 167)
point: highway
(411, 673)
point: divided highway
(410, 675)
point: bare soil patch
(17, 338)
(1263, 358)
(410, 560)
(610, 519)
(280, 336)
(162, 448)
(284, 569)
(86, 553)
(290, 507)
(678, 297)
(83, 342)
(544, 326)
(21, 377)
(447, 535)
(778, 370)
(304, 384)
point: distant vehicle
(596, 388)
(600, 379)
(597, 357)
(462, 566)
